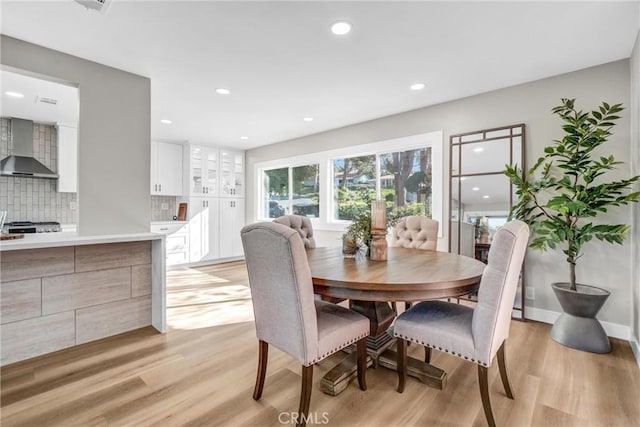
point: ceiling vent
(97, 5)
(49, 101)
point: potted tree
(560, 197)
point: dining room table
(406, 275)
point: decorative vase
(577, 327)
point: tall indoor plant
(561, 194)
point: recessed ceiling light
(308, 119)
(166, 121)
(478, 150)
(222, 91)
(244, 137)
(14, 94)
(485, 197)
(340, 28)
(417, 86)
(476, 188)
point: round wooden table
(407, 275)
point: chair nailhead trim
(486, 365)
(330, 352)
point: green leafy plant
(570, 190)
(360, 227)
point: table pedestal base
(425, 372)
(338, 378)
(378, 343)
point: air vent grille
(98, 5)
(50, 101)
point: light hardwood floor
(201, 373)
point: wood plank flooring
(201, 373)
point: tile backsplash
(159, 202)
(35, 199)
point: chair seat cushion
(338, 327)
(441, 325)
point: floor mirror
(481, 194)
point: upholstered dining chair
(475, 334)
(414, 232)
(286, 314)
(302, 225)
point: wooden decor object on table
(378, 230)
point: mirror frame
(510, 132)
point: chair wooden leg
(402, 364)
(484, 394)
(263, 353)
(362, 363)
(305, 395)
(427, 354)
(503, 372)
(407, 305)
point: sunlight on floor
(197, 299)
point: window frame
(325, 159)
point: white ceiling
(30, 107)
(281, 63)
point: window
(275, 189)
(354, 185)
(278, 200)
(332, 186)
(402, 178)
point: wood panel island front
(58, 290)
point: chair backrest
(302, 225)
(416, 232)
(281, 288)
(498, 286)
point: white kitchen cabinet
(67, 159)
(166, 169)
(231, 173)
(204, 225)
(177, 240)
(231, 222)
(203, 171)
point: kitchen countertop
(70, 238)
(169, 221)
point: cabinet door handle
(159, 187)
(163, 229)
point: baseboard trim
(635, 348)
(613, 330)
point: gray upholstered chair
(416, 232)
(475, 334)
(302, 225)
(286, 314)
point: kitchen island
(62, 289)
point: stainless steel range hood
(22, 163)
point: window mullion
(378, 172)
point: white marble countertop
(70, 238)
(169, 221)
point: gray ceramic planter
(578, 327)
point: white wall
(635, 149)
(114, 136)
(603, 265)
